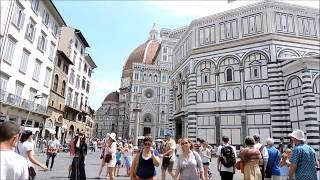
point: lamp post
(34, 98)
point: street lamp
(34, 98)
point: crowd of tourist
(182, 160)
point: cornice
(246, 10)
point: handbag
(240, 166)
(107, 158)
(32, 173)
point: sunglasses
(184, 143)
(147, 144)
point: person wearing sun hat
(168, 156)
(303, 158)
(111, 149)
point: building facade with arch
(250, 70)
(144, 90)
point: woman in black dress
(78, 169)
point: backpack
(227, 158)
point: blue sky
(114, 28)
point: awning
(34, 130)
(51, 131)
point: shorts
(118, 162)
(167, 164)
(206, 163)
(112, 163)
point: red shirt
(72, 147)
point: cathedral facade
(251, 70)
(144, 91)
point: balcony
(73, 105)
(17, 101)
(85, 109)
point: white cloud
(198, 9)
(100, 89)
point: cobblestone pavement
(62, 160)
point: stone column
(244, 125)
(218, 129)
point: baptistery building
(250, 70)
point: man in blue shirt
(274, 159)
(303, 158)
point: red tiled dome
(114, 97)
(145, 53)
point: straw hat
(297, 134)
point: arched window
(236, 93)
(264, 91)
(255, 66)
(205, 73)
(223, 95)
(155, 78)
(205, 96)
(199, 96)
(249, 93)
(229, 94)
(163, 116)
(55, 83)
(63, 89)
(229, 74)
(212, 96)
(257, 92)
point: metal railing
(17, 101)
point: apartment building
(77, 110)
(58, 93)
(29, 38)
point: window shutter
(22, 20)
(39, 42)
(27, 30)
(34, 33)
(43, 15)
(45, 45)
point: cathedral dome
(114, 97)
(145, 53)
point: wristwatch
(290, 178)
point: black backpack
(227, 158)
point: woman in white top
(205, 157)
(25, 149)
(110, 150)
(189, 165)
(179, 148)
